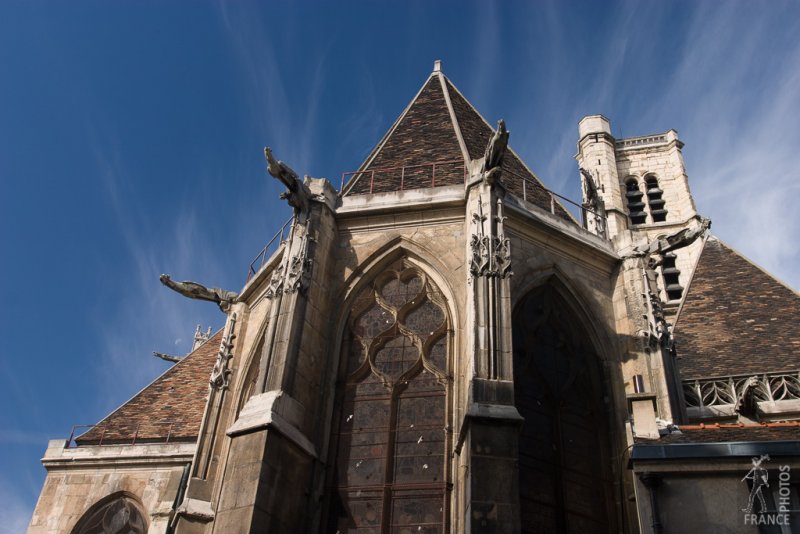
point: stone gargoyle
(495, 152)
(297, 194)
(193, 290)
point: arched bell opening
(565, 474)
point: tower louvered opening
(655, 199)
(635, 199)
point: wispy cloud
(742, 129)
(145, 312)
(16, 512)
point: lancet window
(564, 447)
(391, 437)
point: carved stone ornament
(502, 246)
(220, 374)
(299, 270)
(502, 257)
(276, 282)
(479, 243)
(490, 255)
(594, 205)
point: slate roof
(789, 431)
(440, 126)
(736, 319)
(171, 406)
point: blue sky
(131, 138)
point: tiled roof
(428, 132)
(171, 406)
(736, 319)
(789, 431)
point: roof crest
(453, 119)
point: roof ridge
(443, 80)
(691, 279)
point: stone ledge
(273, 409)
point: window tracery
(117, 516)
(391, 469)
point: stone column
(268, 467)
(488, 440)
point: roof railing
(72, 441)
(553, 195)
(403, 173)
(274, 244)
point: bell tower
(643, 183)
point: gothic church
(441, 344)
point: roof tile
(171, 406)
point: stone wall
(78, 478)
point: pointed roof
(171, 406)
(736, 319)
(441, 127)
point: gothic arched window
(634, 197)
(390, 427)
(115, 515)
(654, 199)
(564, 448)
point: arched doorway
(564, 459)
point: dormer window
(654, 199)
(634, 197)
(671, 275)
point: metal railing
(72, 441)
(726, 390)
(403, 173)
(552, 195)
(273, 245)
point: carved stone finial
(297, 194)
(495, 151)
(193, 290)
(594, 203)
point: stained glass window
(117, 516)
(390, 467)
